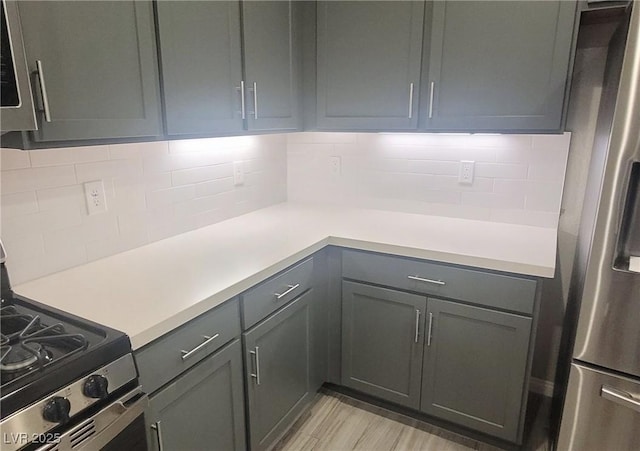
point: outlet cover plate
(465, 176)
(95, 197)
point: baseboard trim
(541, 387)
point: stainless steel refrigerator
(602, 403)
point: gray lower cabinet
(368, 64)
(475, 367)
(201, 65)
(94, 69)
(382, 342)
(203, 408)
(277, 362)
(497, 65)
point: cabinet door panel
(102, 85)
(380, 353)
(204, 408)
(474, 369)
(278, 350)
(201, 66)
(270, 61)
(369, 54)
(499, 65)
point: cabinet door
(475, 367)
(98, 67)
(277, 354)
(498, 65)
(382, 342)
(270, 65)
(369, 55)
(203, 408)
(201, 66)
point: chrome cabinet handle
(420, 279)
(156, 427)
(417, 325)
(430, 328)
(620, 397)
(256, 355)
(243, 109)
(187, 354)
(410, 100)
(291, 288)
(431, 89)
(255, 100)
(43, 91)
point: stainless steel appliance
(66, 383)
(602, 403)
(16, 102)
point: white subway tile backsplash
(70, 155)
(202, 174)
(88, 172)
(14, 159)
(518, 178)
(45, 224)
(19, 204)
(21, 180)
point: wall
(582, 116)
(518, 178)
(153, 191)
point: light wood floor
(338, 423)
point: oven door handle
(106, 424)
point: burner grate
(26, 344)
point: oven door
(120, 425)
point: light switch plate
(238, 173)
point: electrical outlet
(94, 195)
(466, 172)
(335, 166)
(238, 173)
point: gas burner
(27, 345)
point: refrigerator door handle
(620, 397)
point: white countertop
(148, 291)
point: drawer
(164, 359)
(475, 286)
(265, 298)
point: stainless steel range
(66, 382)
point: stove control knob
(95, 387)
(56, 410)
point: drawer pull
(420, 279)
(417, 325)
(156, 427)
(43, 91)
(256, 375)
(187, 354)
(430, 329)
(289, 290)
(620, 397)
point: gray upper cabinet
(498, 65)
(203, 408)
(382, 342)
(475, 368)
(94, 68)
(270, 65)
(277, 362)
(368, 64)
(203, 45)
(201, 66)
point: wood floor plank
(338, 423)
